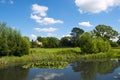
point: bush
(11, 42)
(90, 44)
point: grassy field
(55, 55)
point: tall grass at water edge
(55, 54)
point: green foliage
(65, 42)
(33, 44)
(90, 44)
(75, 33)
(114, 44)
(106, 32)
(11, 42)
(52, 42)
(118, 41)
(103, 46)
(43, 40)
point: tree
(105, 32)
(75, 33)
(11, 42)
(43, 40)
(90, 44)
(33, 44)
(103, 46)
(118, 41)
(65, 42)
(52, 42)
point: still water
(80, 70)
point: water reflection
(47, 76)
(80, 70)
(14, 73)
(90, 69)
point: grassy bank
(63, 55)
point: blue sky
(57, 17)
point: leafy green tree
(113, 43)
(90, 44)
(118, 41)
(11, 42)
(75, 33)
(33, 44)
(25, 45)
(103, 46)
(43, 40)
(65, 42)
(4, 50)
(106, 32)
(52, 42)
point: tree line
(98, 40)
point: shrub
(90, 44)
(11, 42)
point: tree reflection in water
(89, 69)
(14, 73)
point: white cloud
(35, 17)
(33, 37)
(40, 16)
(41, 10)
(50, 29)
(47, 76)
(47, 21)
(85, 24)
(96, 6)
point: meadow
(56, 56)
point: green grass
(51, 55)
(41, 54)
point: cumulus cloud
(46, 21)
(38, 9)
(50, 29)
(39, 14)
(35, 17)
(96, 6)
(85, 24)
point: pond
(79, 70)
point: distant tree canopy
(98, 40)
(49, 42)
(118, 41)
(75, 33)
(52, 42)
(105, 32)
(11, 42)
(43, 40)
(65, 42)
